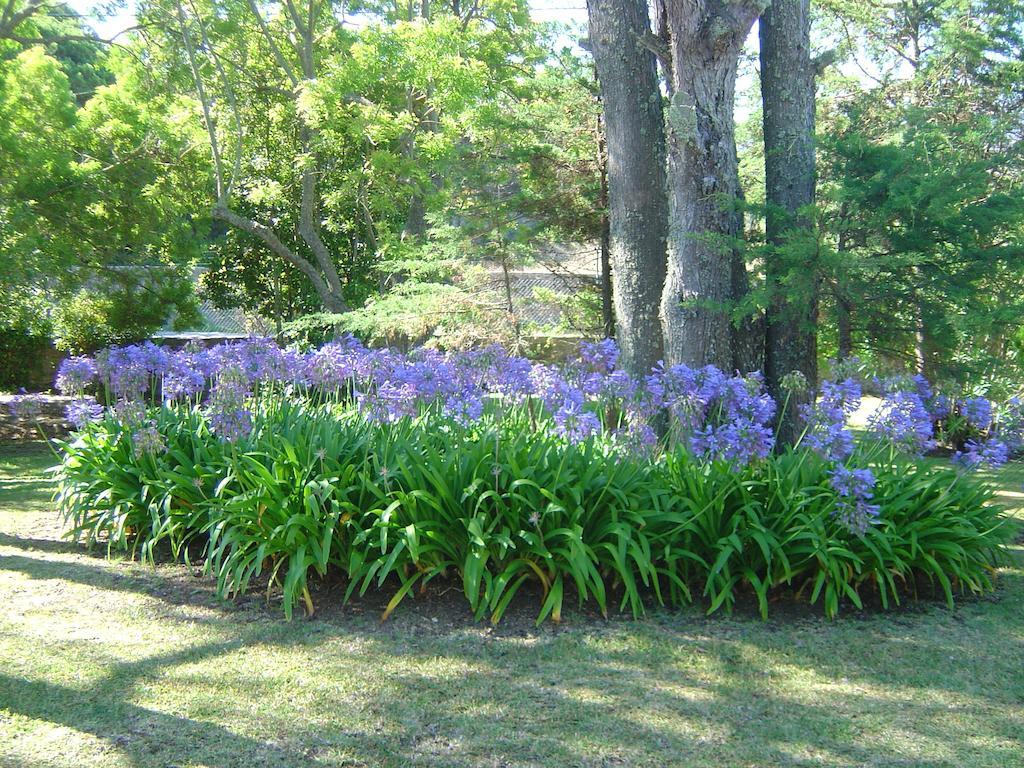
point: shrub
(393, 471)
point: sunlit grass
(108, 663)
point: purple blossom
(75, 374)
(553, 388)
(332, 367)
(599, 357)
(388, 402)
(854, 488)
(992, 453)
(725, 417)
(228, 415)
(129, 412)
(574, 423)
(186, 375)
(941, 407)
(125, 371)
(83, 411)
(978, 412)
(826, 418)
(465, 408)
(25, 407)
(922, 387)
(506, 375)
(147, 440)
(903, 420)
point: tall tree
(638, 209)
(921, 171)
(703, 183)
(787, 95)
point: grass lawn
(112, 663)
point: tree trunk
(637, 208)
(787, 94)
(607, 307)
(748, 334)
(702, 179)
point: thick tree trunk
(607, 298)
(702, 179)
(787, 94)
(637, 208)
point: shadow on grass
(162, 738)
(562, 700)
(30, 543)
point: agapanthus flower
(186, 375)
(599, 357)
(129, 412)
(574, 423)
(991, 453)
(464, 407)
(826, 419)
(903, 420)
(75, 374)
(553, 388)
(82, 411)
(228, 414)
(854, 488)
(125, 370)
(388, 402)
(505, 374)
(977, 411)
(24, 406)
(940, 406)
(923, 387)
(332, 367)
(147, 440)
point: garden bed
(394, 473)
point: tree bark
(706, 38)
(637, 207)
(787, 95)
(748, 333)
(607, 297)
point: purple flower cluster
(83, 411)
(977, 411)
(854, 489)
(24, 407)
(720, 416)
(903, 420)
(575, 423)
(147, 440)
(991, 453)
(227, 410)
(75, 374)
(826, 419)
(714, 414)
(128, 372)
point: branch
(659, 47)
(225, 195)
(278, 56)
(204, 101)
(824, 60)
(273, 242)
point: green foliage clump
(318, 491)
